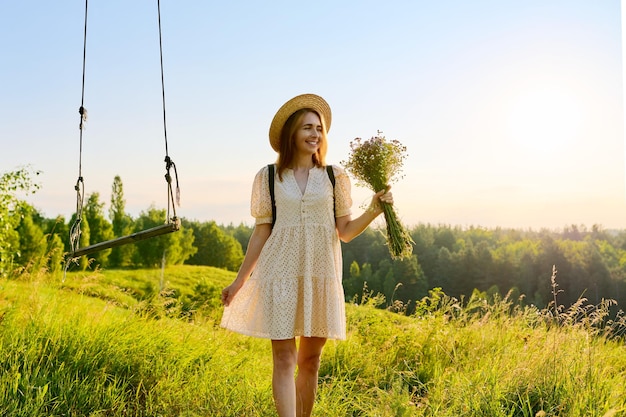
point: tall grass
(133, 343)
(66, 353)
(484, 359)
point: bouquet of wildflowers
(376, 163)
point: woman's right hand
(229, 293)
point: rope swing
(172, 221)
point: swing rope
(168, 161)
(75, 231)
(172, 222)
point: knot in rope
(83, 117)
(169, 163)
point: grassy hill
(147, 343)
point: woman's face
(308, 136)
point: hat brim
(303, 101)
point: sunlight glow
(544, 119)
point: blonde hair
(287, 142)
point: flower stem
(398, 239)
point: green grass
(139, 343)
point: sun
(544, 119)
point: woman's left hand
(384, 196)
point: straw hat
(303, 101)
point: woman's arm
(349, 228)
(259, 236)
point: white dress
(295, 289)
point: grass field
(147, 343)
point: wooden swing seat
(173, 226)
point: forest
(588, 263)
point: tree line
(590, 263)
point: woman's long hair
(287, 142)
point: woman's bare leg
(284, 355)
(309, 353)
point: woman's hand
(229, 293)
(384, 196)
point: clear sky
(511, 110)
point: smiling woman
(544, 119)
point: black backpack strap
(271, 185)
(331, 176)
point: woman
(296, 290)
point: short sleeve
(343, 196)
(261, 203)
